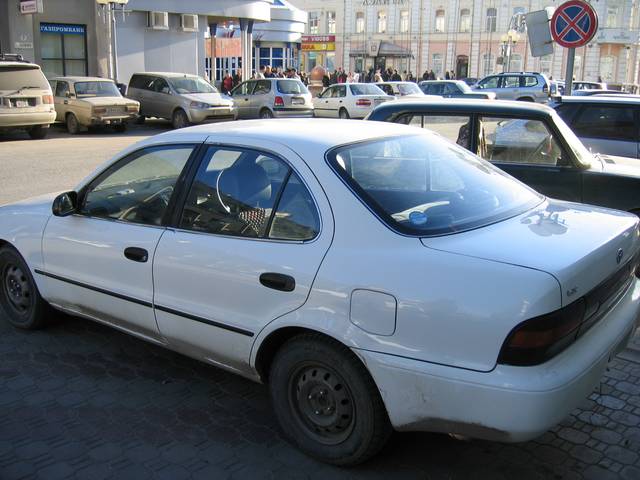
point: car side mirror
(65, 204)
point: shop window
(331, 22)
(490, 24)
(465, 20)
(63, 49)
(439, 27)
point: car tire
(312, 373)
(73, 127)
(38, 132)
(266, 113)
(20, 300)
(120, 127)
(179, 119)
(140, 119)
(344, 114)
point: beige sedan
(83, 102)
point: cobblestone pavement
(82, 401)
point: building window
(490, 24)
(607, 67)
(63, 49)
(465, 20)
(382, 21)
(487, 64)
(516, 63)
(276, 57)
(545, 64)
(331, 22)
(612, 17)
(404, 21)
(359, 22)
(314, 23)
(439, 21)
(436, 64)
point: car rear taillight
(363, 102)
(279, 102)
(47, 99)
(538, 339)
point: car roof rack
(511, 73)
(12, 57)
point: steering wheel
(164, 195)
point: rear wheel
(20, 301)
(344, 114)
(73, 127)
(38, 132)
(266, 113)
(180, 119)
(326, 401)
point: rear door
(510, 87)
(60, 99)
(260, 98)
(241, 97)
(245, 249)
(322, 105)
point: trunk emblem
(619, 255)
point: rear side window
(17, 77)
(140, 81)
(529, 81)
(291, 87)
(608, 122)
(365, 89)
(510, 82)
(567, 111)
(262, 87)
(453, 128)
(61, 88)
(436, 89)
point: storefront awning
(381, 49)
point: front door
(98, 262)
(241, 97)
(245, 251)
(157, 100)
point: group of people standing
(229, 82)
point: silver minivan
(272, 97)
(523, 86)
(181, 98)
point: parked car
(471, 81)
(26, 102)
(452, 89)
(530, 142)
(400, 89)
(605, 124)
(584, 85)
(524, 86)
(253, 270)
(181, 98)
(588, 93)
(349, 100)
(556, 87)
(272, 97)
(83, 102)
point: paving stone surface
(83, 401)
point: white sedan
(375, 277)
(349, 100)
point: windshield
(191, 85)
(96, 89)
(409, 89)
(422, 185)
(291, 87)
(364, 89)
(18, 77)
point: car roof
(167, 74)
(621, 99)
(392, 82)
(18, 64)
(463, 105)
(308, 134)
(82, 79)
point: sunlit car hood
(210, 98)
(629, 167)
(577, 244)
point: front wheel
(73, 127)
(326, 402)
(180, 119)
(20, 301)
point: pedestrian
(426, 75)
(227, 83)
(395, 76)
(237, 78)
(377, 78)
(261, 72)
(446, 75)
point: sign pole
(568, 78)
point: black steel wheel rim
(322, 403)
(17, 289)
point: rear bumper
(293, 112)
(509, 403)
(30, 119)
(113, 120)
(217, 114)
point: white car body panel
(330, 107)
(457, 296)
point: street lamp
(110, 5)
(509, 41)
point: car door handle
(66, 102)
(136, 254)
(278, 281)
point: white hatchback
(375, 277)
(349, 100)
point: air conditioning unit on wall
(189, 23)
(158, 20)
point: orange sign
(318, 46)
(225, 47)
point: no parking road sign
(574, 24)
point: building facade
(466, 37)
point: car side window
(517, 140)
(453, 128)
(608, 122)
(510, 82)
(529, 81)
(451, 89)
(437, 89)
(138, 188)
(160, 85)
(386, 89)
(340, 91)
(491, 82)
(246, 193)
(62, 88)
(262, 87)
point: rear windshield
(409, 89)
(422, 185)
(291, 87)
(18, 77)
(365, 89)
(96, 89)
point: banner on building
(318, 43)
